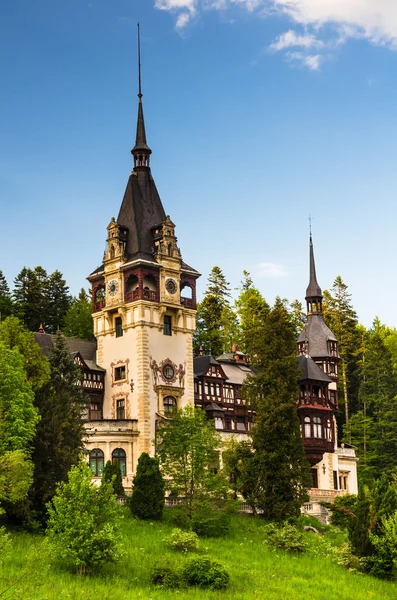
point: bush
(184, 541)
(211, 516)
(84, 524)
(167, 576)
(5, 544)
(147, 500)
(205, 573)
(342, 510)
(285, 537)
(112, 473)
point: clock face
(170, 286)
(113, 286)
(168, 372)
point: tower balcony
(188, 302)
(141, 295)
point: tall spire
(313, 292)
(141, 151)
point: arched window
(96, 462)
(169, 404)
(307, 428)
(119, 458)
(317, 433)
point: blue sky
(259, 113)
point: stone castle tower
(144, 307)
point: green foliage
(383, 562)
(187, 447)
(6, 305)
(285, 537)
(40, 298)
(215, 318)
(16, 335)
(147, 500)
(360, 527)
(167, 576)
(84, 522)
(279, 473)
(78, 321)
(184, 541)
(18, 416)
(212, 512)
(252, 311)
(237, 459)
(205, 573)
(343, 510)
(5, 544)
(60, 432)
(112, 474)
(16, 476)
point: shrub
(83, 527)
(211, 516)
(184, 541)
(147, 500)
(205, 573)
(167, 576)
(342, 510)
(112, 473)
(285, 537)
(343, 557)
(5, 544)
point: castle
(141, 367)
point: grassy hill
(256, 571)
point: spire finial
(141, 150)
(310, 227)
(139, 63)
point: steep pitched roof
(309, 370)
(313, 289)
(86, 349)
(317, 335)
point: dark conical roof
(313, 289)
(140, 211)
(140, 140)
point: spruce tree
(6, 305)
(112, 473)
(215, 319)
(252, 310)
(341, 318)
(78, 320)
(147, 500)
(281, 470)
(60, 435)
(29, 297)
(57, 300)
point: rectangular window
(240, 424)
(167, 325)
(119, 373)
(95, 412)
(335, 480)
(120, 409)
(314, 473)
(119, 327)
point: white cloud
(271, 270)
(291, 39)
(335, 21)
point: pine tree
(60, 433)
(112, 474)
(252, 311)
(215, 318)
(147, 500)
(282, 473)
(341, 318)
(78, 320)
(57, 300)
(29, 296)
(6, 306)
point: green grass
(256, 571)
